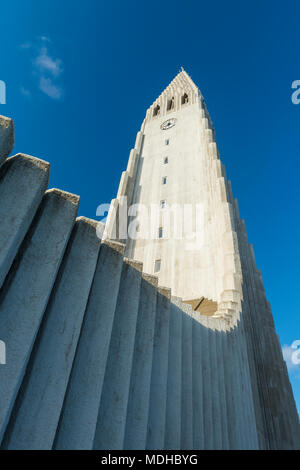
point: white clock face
(168, 124)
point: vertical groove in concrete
(26, 291)
(245, 425)
(207, 395)
(221, 383)
(197, 364)
(23, 181)
(235, 405)
(215, 391)
(240, 438)
(42, 393)
(110, 427)
(242, 396)
(173, 409)
(139, 393)
(159, 374)
(187, 414)
(78, 420)
(253, 442)
(225, 337)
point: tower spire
(181, 86)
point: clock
(168, 124)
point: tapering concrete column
(236, 403)
(206, 380)
(226, 383)
(6, 137)
(187, 414)
(229, 387)
(39, 405)
(111, 422)
(79, 415)
(219, 336)
(215, 391)
(198, 412)
(23, 181)
(139, 394)
(246, 419)
(250, 424)
(159, 376)
(26, 291)
(173, 410)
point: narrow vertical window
(166, 160)
(157, 265)
(156, 110)
(160, 232)
(184, 99)
(162, 204)
(167, 141)
(164, 180)
(170, 104)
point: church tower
(184, 226)
(175, 168)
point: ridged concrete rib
(27, 289)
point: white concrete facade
(186, 155)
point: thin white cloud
(45, 63)
(46, 69)
(49, 88)
(291, 356)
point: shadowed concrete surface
(99, 356)
(6, 137)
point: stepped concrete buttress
(6, 137)
(101, 355)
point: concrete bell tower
(206, 259)
(191, 243)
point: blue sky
(80, 76)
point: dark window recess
(156, 110)
(184, 99)
(157, 265)
(170, 104)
